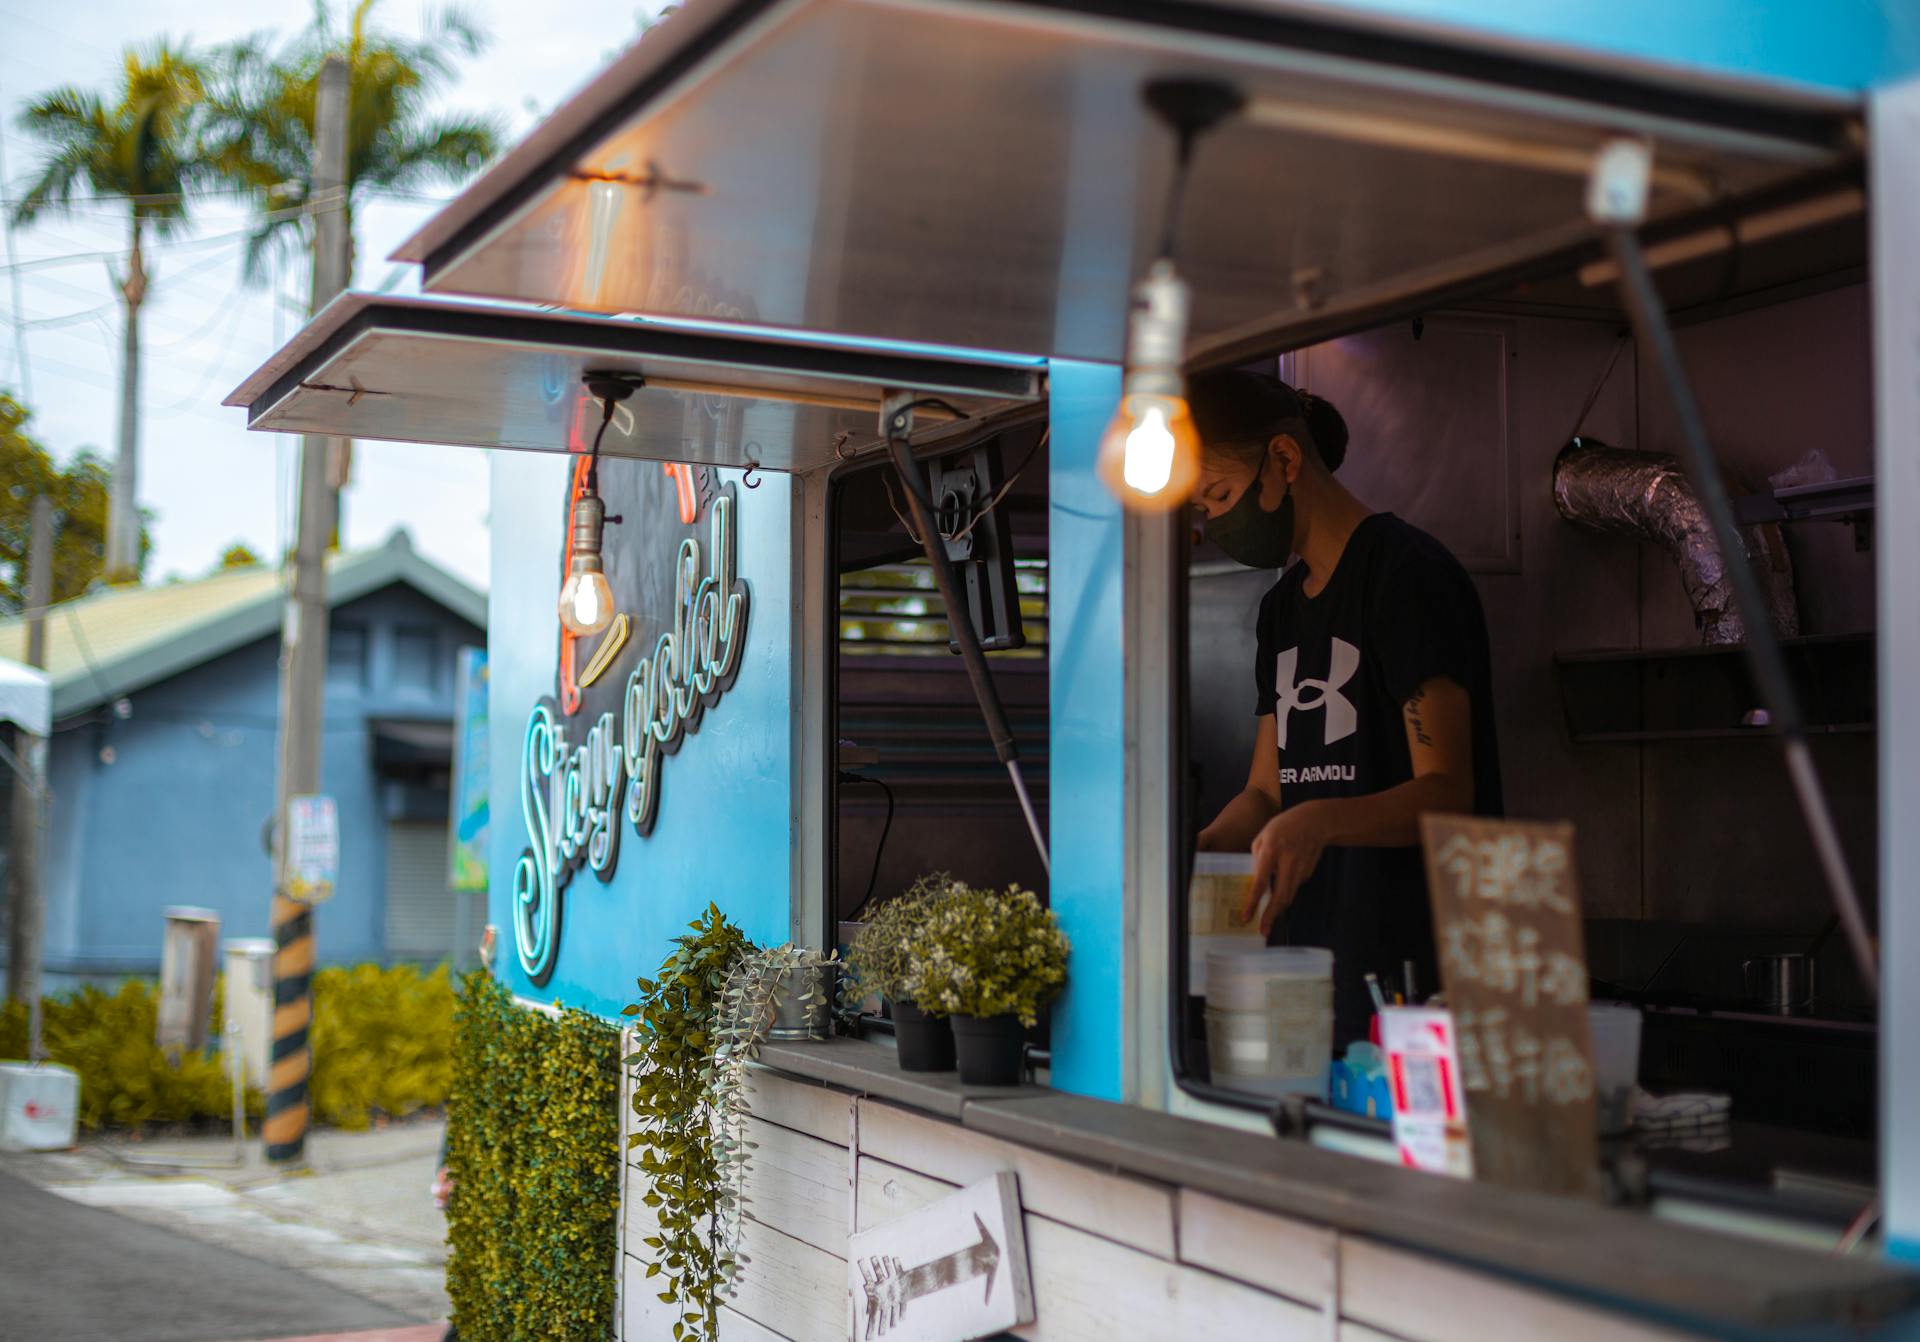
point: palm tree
(140, 149)
(262, 111)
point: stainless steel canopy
(442, 372)
(983, 173)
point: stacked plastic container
(1270, 1019)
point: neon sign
(576, 798)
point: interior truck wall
(1669, 832)
(722, 832)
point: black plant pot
(990, 1049)
(926, 1042)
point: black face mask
(1250, 534)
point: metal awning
(983, 173)
(433, 371)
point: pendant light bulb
(586, 603)
(586, 598)
(1150, 454)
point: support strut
(1616, 200)
(897, 424)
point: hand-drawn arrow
(891, 1288)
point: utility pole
(29, 792)
(303, 655)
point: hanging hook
(748, 479)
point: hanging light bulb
(1150, 454)
(586, 599)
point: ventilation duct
(1646, 495)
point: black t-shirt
(1337, 670)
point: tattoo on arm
(1414, 708)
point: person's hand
(1207, 841)
(1285, 852)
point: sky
(208, 481)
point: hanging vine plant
(701, 1021)
(675, 1117)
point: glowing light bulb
(586, 602)
(1150, 455)
(1147, 458)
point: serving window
(1620, 709)
(918, 789)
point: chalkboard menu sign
(1506, 911)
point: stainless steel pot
(794, 1018)
(1781, 984)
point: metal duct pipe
(1646, 495)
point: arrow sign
(961, 1239)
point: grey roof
(114, 641)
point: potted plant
(878, 960)
(988, 960)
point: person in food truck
(1372, 689)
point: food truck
(794, 285)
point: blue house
(162, 760)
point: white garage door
(420, 907)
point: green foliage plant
(881, 952)
(755, 985)
(533, 1147)
(79, 494)
(986, 953)
(382, 1043)
(676, 1117)
(382, 1040)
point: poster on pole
(313, 848)
(467, 828)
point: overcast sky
(208, 481)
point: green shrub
(986, 953)
(382, 1043)
(533, 1147)
(125, 1080)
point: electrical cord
(886, 828)
(1001, 492)
(593, 453)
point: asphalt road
(73, 1273)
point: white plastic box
(39, 1106)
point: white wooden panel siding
(644, 1317)
(1427, 1302)
(799, 1185)
(1258, 1248)
(1134, 1212)
(1090, 1289)
(790, 1286)
(818, 1111)
(420, 907)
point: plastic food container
(1214, 899)
(1270, 1019)
(1615, 1028)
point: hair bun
(1328, 427)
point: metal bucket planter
(802, 999)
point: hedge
(533, 1148)
(382, 1044)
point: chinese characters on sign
(1506, 912)
(313, 848)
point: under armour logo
(1342, 721)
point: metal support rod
(896, 422)
(303, 658)
(1764, 658)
